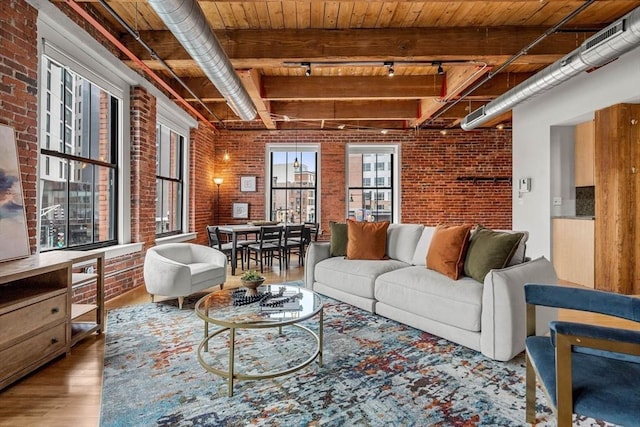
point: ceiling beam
(347, 110)
(268, 48)
(251, 80)
(318, 88)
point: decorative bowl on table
(251, 279)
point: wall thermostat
(524, 185)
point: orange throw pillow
(447, 249)
(366, 240)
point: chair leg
(530, 382)
(180, 301)
(261, 261)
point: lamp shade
(218, 181)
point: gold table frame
(258, 320)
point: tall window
(372, 183)
(169, 181)
(78, 161)
(293, 191)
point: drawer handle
(54, 340)
(55, 310)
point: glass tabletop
(278, 304)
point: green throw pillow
(489, 249)
(338, 242)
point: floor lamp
(218, 181)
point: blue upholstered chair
(584, 369)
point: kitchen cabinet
(573, 251)
(584, 154)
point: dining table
(236, 230)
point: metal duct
(604, 46)
(186, 20)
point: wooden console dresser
(38, 322)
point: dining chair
(314, 229)
(215, 241)
(268, 247)
(584, 369)
(293, 242)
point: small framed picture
(247, 183)
(241, 210)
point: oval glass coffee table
(280, 305)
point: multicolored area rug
(376, 372)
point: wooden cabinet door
(617, 160)
(584, 150)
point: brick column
(202, 163)
(143, 166)
(19, 97)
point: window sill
(176, 238)
(132, 248)
(121, 250)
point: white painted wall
(570, 103)
(562, 180)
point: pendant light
(296, 163)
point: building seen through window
(370, 185)
(78, 167)
(293, 190)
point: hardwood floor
(67, 391)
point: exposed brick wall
(19, 96)
(202, 189)
(143, 166)
(430, 166)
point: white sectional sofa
(487, 317)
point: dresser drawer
(32, 352)
(32, 317)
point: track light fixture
(307, 72)
(390, 66)
(440, 69)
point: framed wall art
(241, 210)
(13, 220)
(247, 183)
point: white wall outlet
(557, 201)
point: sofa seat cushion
(354, 276)
(204, 272)
(433, 295)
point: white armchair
(181, 269)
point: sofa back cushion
(422, 247)
(520, 255)
(402, 240)
(489, 249)
(338, 239)
(448, 248)
(366, 240)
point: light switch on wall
(557, 201)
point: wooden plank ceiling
(439, 50)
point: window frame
(299, 148)
(65, 158)
(180, 179)
(393, 169)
